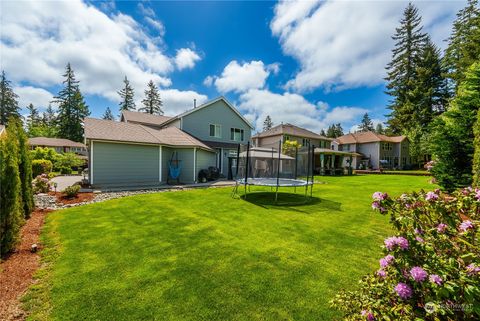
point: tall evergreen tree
(476, 156)
(338, 130)
(8, 100)
(10, 192)
(49, 123)
(453, 136)
(401, 71)
(463, 44)
(127, 96)
(33, 118)
(71, 108)
(152, 104)
(379, 129)
(331, 131)
(366, 125)
(108, 115)
(24, 166)
(267, 123)
(322, 133)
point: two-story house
(139, 149)
(284, 132)
(375, 150)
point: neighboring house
(284, 132)
(377, 151)
(137, 150)
(60, 145)
(2, 129)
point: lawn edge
(36, 301)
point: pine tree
(379, 129)
(453, 136)
(476, 155)
(366, 124)
(108, 115)
(49, 123)
(24, 167)
(152, 104)
(33, 119)
(338, 130)
(401, 70)
(127, 96)
(267, 123)
(464, 43)
(322, 133)
(8, 100)
(71, 108)
(331, 131)
(10, 193)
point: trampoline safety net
(275, 165)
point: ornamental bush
(71, 191)
(41, 184)
(25, 170)
(431, 266)
(41, 166)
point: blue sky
(311, 63)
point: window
(236, 134)
(305, 141)
(215, 131)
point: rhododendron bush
(431, 266)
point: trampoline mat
(282, 182)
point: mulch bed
(81, 197)
(16, 271)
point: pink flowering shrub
(41, 184)
(431, 266)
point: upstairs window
(305, 141)
(236, 134)
(215, 131)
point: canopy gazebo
(330, 162)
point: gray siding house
(136, 150)
(284, 132)
(375, 150)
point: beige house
(60, 145)
(284, 132)
(374, 150)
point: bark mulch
(16, 271)
(80, 198)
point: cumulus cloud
(186, 58)
(242, 77)
(208, 81)
(39, 38)
(39, 97)
(145, 10)
(295, 109)
(177, 101)
(343, 44)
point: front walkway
(65, 181)
(113, 188)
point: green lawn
(201, 255)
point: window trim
(215, 126)
(241, 131)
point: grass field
(201, 255)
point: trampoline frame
(263, 181)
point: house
(375, 150)
(284, 132)
(140, 148)
(60, 145)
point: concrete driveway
(65, 181)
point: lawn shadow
(291, 202)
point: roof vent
(194, 103)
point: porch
(334, 162)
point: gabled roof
(144, 118)
(208, 103)
(54, 142)
(292, 130)
(368, 137)
(108, 130)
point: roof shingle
(54, 142)
(144, 118)
(367, 137)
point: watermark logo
(431, 307)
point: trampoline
(280, 165)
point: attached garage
(123, 163)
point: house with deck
(141, 149)
(374, 150)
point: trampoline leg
(276, 195)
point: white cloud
(208, 81)
(176, 101)
(39, 38)
(156, 24)
(39, 97)
(146, 11)
(240, 78)
(295, 109)
(342, 44)
(186, 58)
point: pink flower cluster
(465, 226)
(441, 227)
(431, 196)
(477, 194)
(386, 261)
(379, 196)
(473, 269)
(396, 241)
(434, 278)
(418, 274)
(404, 291)
(368, 315)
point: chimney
(194, 103)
